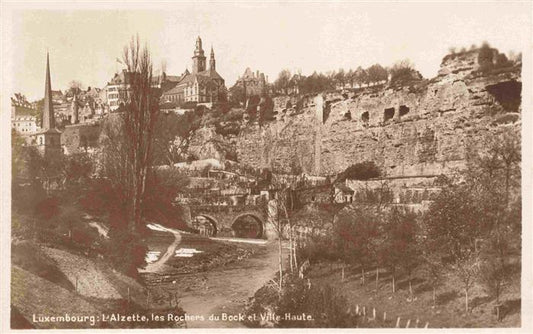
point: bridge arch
(205, 224)
(248, 225)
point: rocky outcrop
(206, 143)
(422, 129)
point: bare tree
(467, 270)
(139, 117)
(286, 204)
(274, 213)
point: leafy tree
(20, 99)
(475, 219)
(340, 78)
(496, 269)
(399, 248)
(350, 78)
(172, 135)
(355, 236)
(433, 271)
(485, 57)
(404, 71)
(453, 222)
(377, 73)
(17, 154)
(466, 269)
(162, 189)
(361, 76)
(78, 168)
(282, 82)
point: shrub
(47, 208)
(404, 71)
(318, 248)
(485, 57)
(327, 308)
(356, 233)
(126, 251)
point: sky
(85, 42)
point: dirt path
(158, 265)
(226, 290)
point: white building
(23, 119)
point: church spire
(48, 120)
(212, 64)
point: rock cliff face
(422, 129)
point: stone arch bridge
(247, 221)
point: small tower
(212, 64)
(198, 60)
(48, 139)
(75, 112)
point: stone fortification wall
(422, 129)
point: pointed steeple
(48, 120)
(212, 63)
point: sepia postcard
(266, 165)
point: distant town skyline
(85, 43)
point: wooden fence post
(398, 322)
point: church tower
(198, 60)
(48, 140)
(212, 64)
(75, 112)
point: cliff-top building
(202, 84)
(253, 83)
(23, 118)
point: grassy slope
(30, 257)
(31, 294)
(90, 280)
(449, 311)
(43, 283)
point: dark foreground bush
(318, 248)
(324, 306)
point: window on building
(388, 114)
(365, 117)
(403, 110)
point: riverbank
(222, 290)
